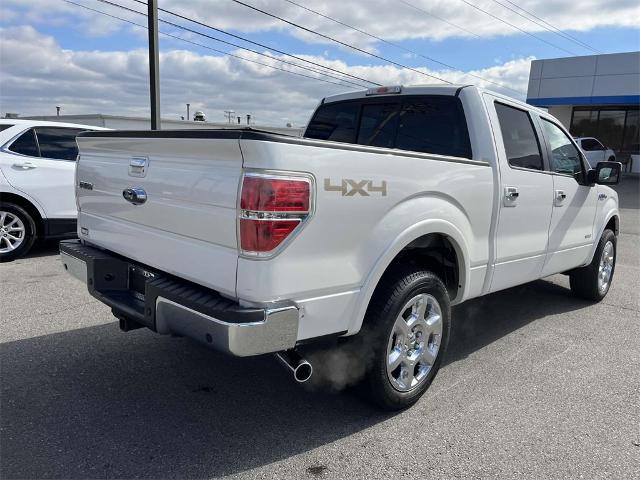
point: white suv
(37, 170)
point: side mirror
(605, 173)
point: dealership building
(593, 96)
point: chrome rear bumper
(172, 306)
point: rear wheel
(407, 325)
(593, 281)
(17, 231)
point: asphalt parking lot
(536, 383)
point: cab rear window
(420, 123)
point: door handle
(560, 197)
(25, 165)
(510, 196)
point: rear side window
(434, 125)
(519, 137)
(591, 145)
(420, 123)
(336, 122)
(26, 144)
(58, 143)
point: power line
(339, 41)
(268, 55)
(244, 40)
(182, 27)
(204, 46)
(401, 47)
(517, 28)
(556, 29)
(439, 18)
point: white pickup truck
(397, 203)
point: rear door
(41, 162)
(574, 205)
(525, 196)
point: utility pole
(229, 114)
(154, 63)
(188, 117)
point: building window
(584, 123)
(631, 142)
(611, 127)
(615, 127)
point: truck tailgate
(187, 224)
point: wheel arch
(609, 220)
(613, 224)
(415, 244)
(30, 206)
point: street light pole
(188, 117)
(154, 63)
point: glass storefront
(616, 127)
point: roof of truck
(404, 90)
(427, 89)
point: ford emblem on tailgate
(135, 195)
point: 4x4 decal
(350, 188)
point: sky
(69, 53)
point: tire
(594, 281)
(612, 159)
(15, 223)
(394, 301)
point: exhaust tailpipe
(300, 368)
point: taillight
(267, 194)
(271, 208)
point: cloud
(38, 74)
(393, 22)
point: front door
(525, 197)
(574, 205)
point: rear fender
(446, 219)
(7, 188)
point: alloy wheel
(12, 232)
(414, 342)
(605, 269)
